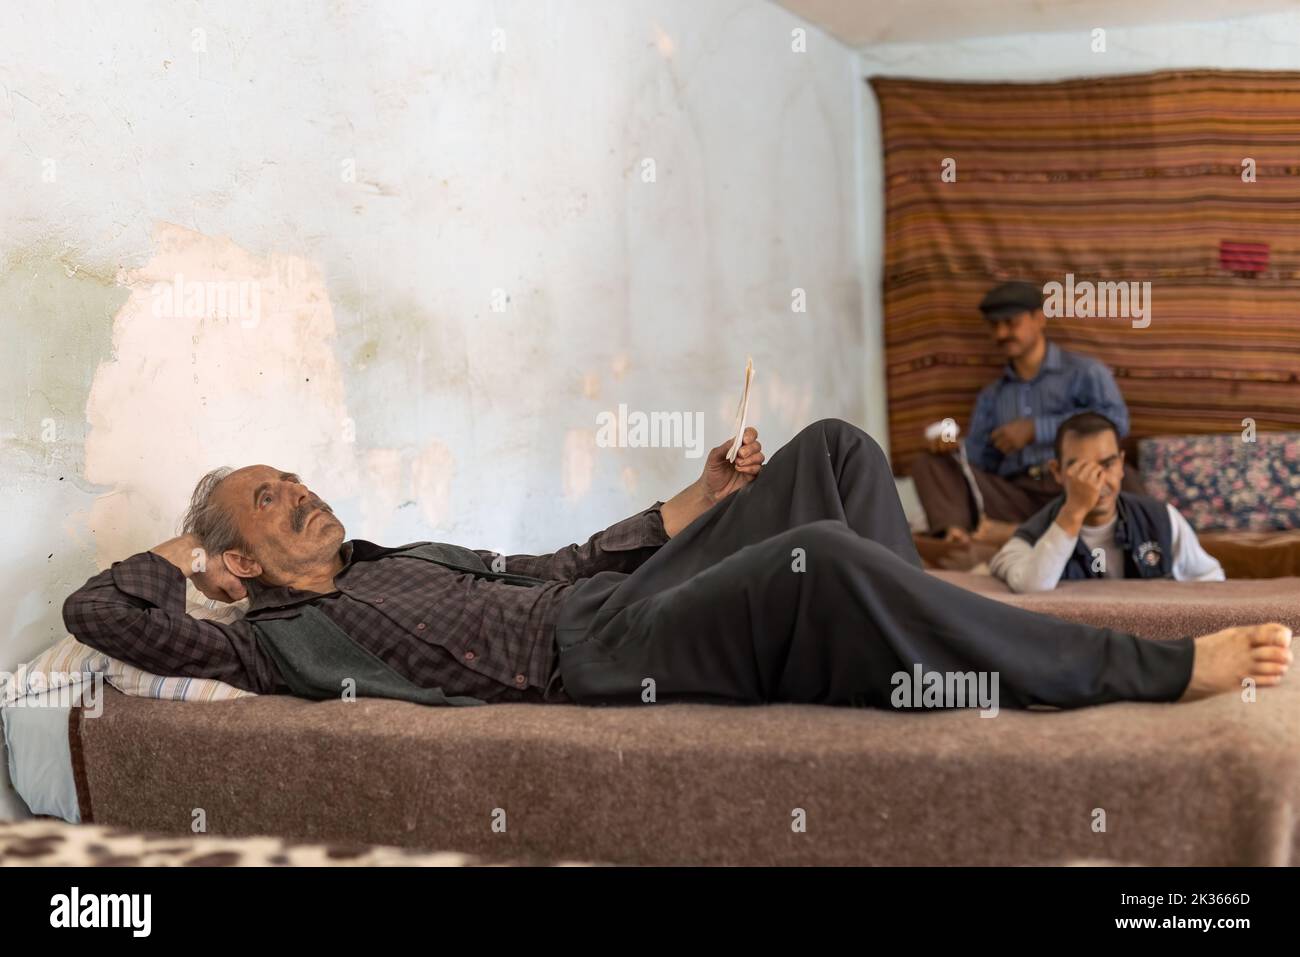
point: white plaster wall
(1269, 42)
(213, 140)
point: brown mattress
(1210, 783)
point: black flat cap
(1010, 299)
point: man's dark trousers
(805, 586)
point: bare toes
(1271, 634)
(1271, 653)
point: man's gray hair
(215, 527)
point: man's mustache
(300, 515)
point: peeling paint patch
(578, 463)
(383, 475)
(57, 329)
(664, 43)
(190, 389)
(790, 403)
(431, 478)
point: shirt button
(420, 627)
(520, 679)
(469, 656)
(379, 600)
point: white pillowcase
(69, 663)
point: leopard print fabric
(43, 842)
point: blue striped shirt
(1066, 383)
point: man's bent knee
(833, 431)
(825, 536)
(928, 463)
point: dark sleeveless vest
(1143, 533)
(314, 655)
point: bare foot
(994, 531)
(957, 535)
(1223, 659)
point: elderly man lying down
(794, 581)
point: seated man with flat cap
(997, 477)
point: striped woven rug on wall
(1186, 180)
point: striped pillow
(70, 662)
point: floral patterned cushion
(1223, 481)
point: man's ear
(240, 565)
(1054, 467)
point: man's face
(1101, 449)
(288, 529)
(1018, 335)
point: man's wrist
(684, 507)
(701, 490)
(1070, 518)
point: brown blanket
(1210, 783)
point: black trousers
(805, 587)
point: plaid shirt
(435, 626)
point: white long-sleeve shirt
(1038, 567)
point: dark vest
(315, 656)
(1143, 533)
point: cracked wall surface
(385, 175)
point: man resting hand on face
(1095, 530)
